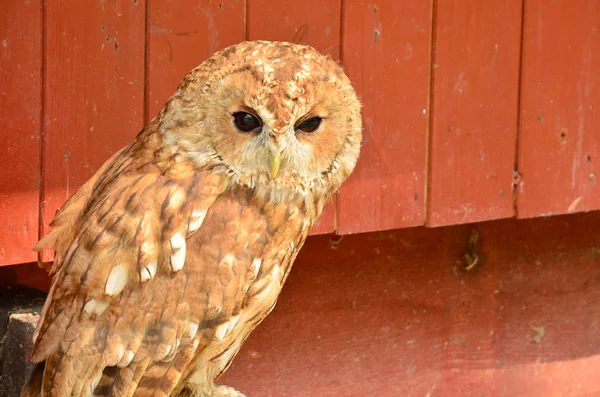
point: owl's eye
(309, 126)
(245, 122)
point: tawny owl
(178, 246)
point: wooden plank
(312, 22)
(20, 105)
(559, 142)
(182, 37)
(28, 274)
(474, 111)
(94, 90)
(386, 55)
(393, 314)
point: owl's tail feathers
(109, 382)
(33, 387)
(122, 382)
(61, 376)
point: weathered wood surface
(472, 111)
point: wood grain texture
(180, 38)
(559, 141)
(474, 111)
(93, 93)
(20, 105)
(311, 22)
(405, 319)
(386, 55)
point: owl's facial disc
(266, 139)
(246, 121)
(271, 146)
(284, 145)
(274, 114)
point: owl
(179, 245)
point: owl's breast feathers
(160, 266)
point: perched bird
(179, 245)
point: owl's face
(275, 114)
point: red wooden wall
(559, 143)
(385, 51)
(395, 314)
(473, 110)
(20, 122)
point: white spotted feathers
(178, 247)
(117, 279)
(148, 265)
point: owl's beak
(275, 163)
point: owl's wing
(117, 240)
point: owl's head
(275, 114)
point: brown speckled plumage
(178, 247)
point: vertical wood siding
(20, 121)
(449, 91)
(559, 141)
(475, 93)
(386, 50)
(180, 38)
(93, 91)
